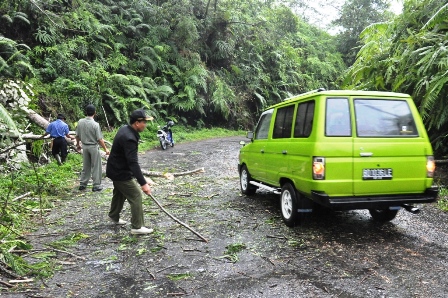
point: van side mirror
(250, 135)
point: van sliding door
(278, 147)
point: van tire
(289, 204)
(246, 188)
(383, 215)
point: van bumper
(374, 202)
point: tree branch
(176, 220)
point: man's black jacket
(123, 164)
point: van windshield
(384, 118)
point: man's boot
(58, 159)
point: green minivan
(341, 149)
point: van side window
(337, 121)
(304, 120)
(263, 125)
(384, 118)
(283, 122)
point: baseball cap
(139, 115)
(61, 116)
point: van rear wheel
(288, 205)
(383, 215)
(246, 187)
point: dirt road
(249, 253)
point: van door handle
(366, 154)
(262, 151)
(284, 152)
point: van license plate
(377, 174)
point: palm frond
(440, 16)
(6, 118)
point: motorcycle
(165, 135)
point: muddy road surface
(249, 253)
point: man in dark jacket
(123, 169)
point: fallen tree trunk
(36, 118)
(30, 136)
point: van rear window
(384, 118)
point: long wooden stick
(176, 220)
(161, 174)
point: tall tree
(355, 16)
(410, 55)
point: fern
(119, 78)
(7, 18)
(440, 16)
(22, 17)
(44, 37)
(6, 118)
(437, 84)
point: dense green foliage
(205, 63)
(40, 185)
(355, 16)
(410, 55)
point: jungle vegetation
(202, 63)
(212, 63)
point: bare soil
(249, 253)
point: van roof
(350, 93)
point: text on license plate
(376, 174)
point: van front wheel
(288, 205)
(383, 215)
(246, 188)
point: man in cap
(124, 170)
(58, 130)
(88, 132)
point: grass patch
(181, 134)
(442, 202)
(68, 240)
(232, 251)
(28, 192)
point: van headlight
(430, 166)
(319, 168)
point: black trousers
(60, 147)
